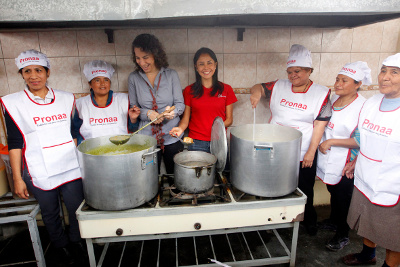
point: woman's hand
(170, 115)
(152, 115)
(349, 168)
(308, 160)
(325, 146)
(20, 188)
(134, 113)
(176, 131)
(256, 93)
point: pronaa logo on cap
(349, 70)
(99, 71)
(29, 59)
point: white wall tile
(94, 43)
(3, 79)
(372, 60)
(110, 59)
(271, 66)
(232, 45)
(316, 64)
(14, 43)
(239, 70)
(331, 64)
(15, 81)
(367, 38)
(124, 66)
(273, 40)
(1, 51)
(174, 40)
(59, 43)
(308, 37)
(243, 113)
(337, 40)
(123, 40)
(210, 37)
(391, 36)
(179, 62)
(65, 75)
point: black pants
(306, 184)
(168, 156)
(72, 193)
(340, 202)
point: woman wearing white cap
(38, 121)
(154, 88)
(335, 150)
(299, 103)
(375, 209)
(103, 112)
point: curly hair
(150, 44)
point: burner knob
(197, 226)
(119, 231)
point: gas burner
(171, 196)
(184, 195)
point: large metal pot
(118, 182)
(194, 171)
(267, 164)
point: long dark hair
(150, 44)
(197, 88)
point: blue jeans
(200, 145)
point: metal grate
(253, 248)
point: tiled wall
(261, 56)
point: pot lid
(218, 146)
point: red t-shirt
(205, 109)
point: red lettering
(36, 119)
(51, 118)
(376, 127)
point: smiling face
(345, 86)
(389, 81)
(35, 77)
(145, 60)
(298, 76)
(206, 67)
(100, 85)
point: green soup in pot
(111, 149)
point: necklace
(305, 88)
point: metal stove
(195, 228)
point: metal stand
(28, 209)
(253, 260)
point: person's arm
(327, 144)
(177, 95)
(132, 92)
(318, 131)
(19, 185)
(229, 115)
(183, 124)
(256, 93)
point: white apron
(297, 110)
(377, 173)
(341, 126)
(49, 150)
(109, 120)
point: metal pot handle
(154, 153)
(269, 147)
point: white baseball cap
(299, 56)
(392, 61)
(32, 57)
(358, 71)
(98, 68)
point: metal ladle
(122, 139)
(183, 142)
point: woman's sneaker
(337, 243)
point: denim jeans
(200, 145)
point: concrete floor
(311, 250)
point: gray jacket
(169, 94)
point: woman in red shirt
(205, 99)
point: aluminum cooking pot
(118, 182)
(266, 164)
(194, 171)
